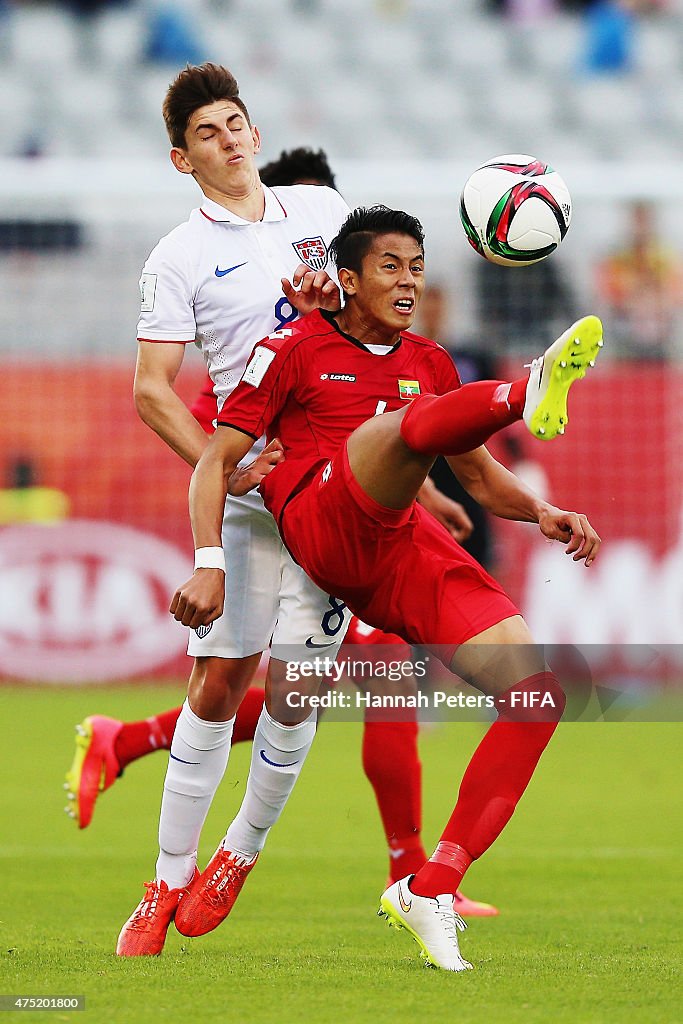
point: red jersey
(311, 386)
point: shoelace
(453, 923)
(219, 886)
(147, 908)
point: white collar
(274, 210)
(379, 350)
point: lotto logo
(327, 473)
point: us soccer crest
(312, 252)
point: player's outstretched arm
(158, 405)
(502, 493)
(200, 600)
(311, 289)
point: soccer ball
(515, 210)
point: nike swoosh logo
(405, 907)
(394, 854)
(229, 270)
(275, 763)
(311, 644)
(181, 760)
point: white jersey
(216, 279)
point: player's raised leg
(389, 455)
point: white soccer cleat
(432, 923)
(553, 373)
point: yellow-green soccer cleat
(95, 766)
(432, 923)
(553, 373)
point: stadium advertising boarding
(86, 599)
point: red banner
(86, 599)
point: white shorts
(269, 599)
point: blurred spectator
(171, 37)
(642, 285)
(533, 10)
(520, 308)
(610, 37)
(529, 11)
(24, 501)
(433, 322)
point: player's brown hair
(196, 86)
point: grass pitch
(585, 876)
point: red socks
(139, 738)
(462, 420)
(495, 779)
(248, 714)
(406, 856)
(393, 768)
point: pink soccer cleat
(466, 907)
(95, 766)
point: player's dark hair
(354, 238)
(196, 86)
(296, 165)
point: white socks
(197, 762)
(277, 757)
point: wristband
(209, 558)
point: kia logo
(87, 601)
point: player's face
(220, 151)
(391, 282)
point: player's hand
(572, 529)
(449, 513)
(246, 478)
(311, 289)
(199, 601)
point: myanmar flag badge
(408, 389)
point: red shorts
(398, 570)
(360, 634)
